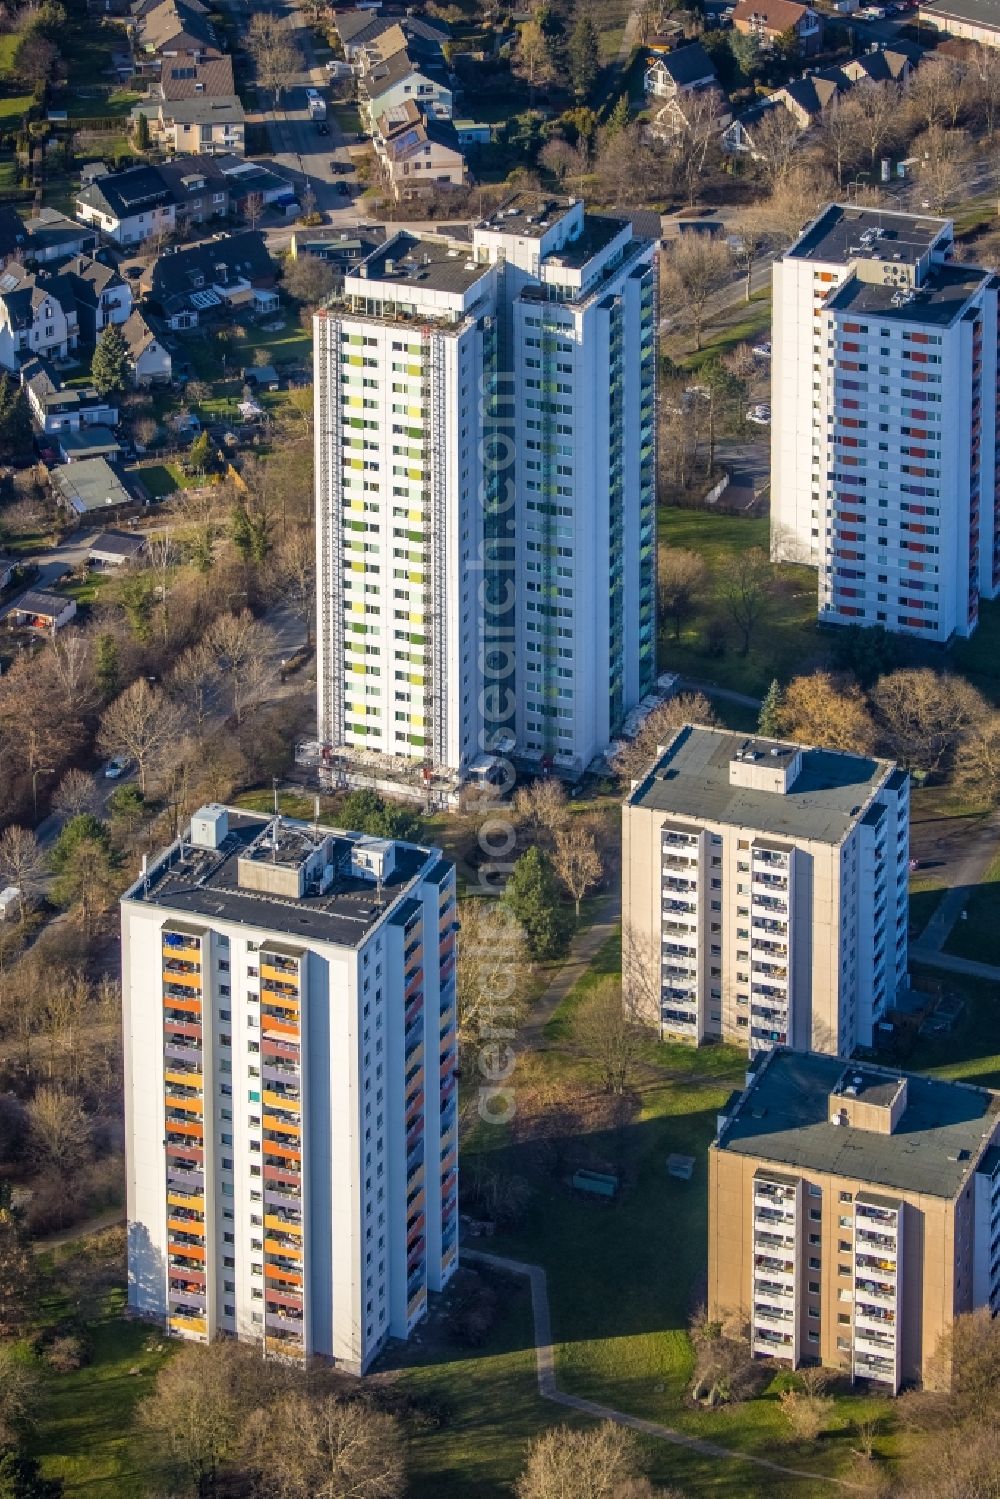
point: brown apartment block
(854, 1212)
(764, 892)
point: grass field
(162, 479)
(743, 323)
(785, 643)
(971, 1054)
(977, 936)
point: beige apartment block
(764, 890)
(854, 1212)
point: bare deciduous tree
(139, 723)
(588, 1463)
(543, 804)
(923, 716)
(493, 972)
(77, 793)
(699, 267)
(776, 139)
(22, 864)
(746, 585)
(612, 1031)
(576, 858)
(325, 1448)
(242, 646)
(59, 1129)
(682, 584)
(828, 710)
(634, 757)
(275, 55)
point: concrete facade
(764, 892)
(840, 1242)
(289, 1012)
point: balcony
(197, 1325)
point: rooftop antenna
(274, 785)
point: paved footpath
(950, 964)
(583, 949)
(967, 876)
(548, 1389)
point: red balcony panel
(275, 1299)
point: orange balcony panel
(271, 1027)
(272, 1122)
(282, 1152)
(448, 1162)
(271, 1220)
(412, 1234)
(282, 1277)
(186, 980)
(175, 1200)
(288, 1002)
(416, 1303)
(186, 1225)
(184, 1127)
(184, 1079)
(271, 1246)
(417, 1204)
(189, 1105)
(279, 1101)
(187, 1006)
(187, 1251)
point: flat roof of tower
(203, 883)
(692, 779)
(835, 236)
(784, 1116)
(938, 301)
(528, 214)
(426, 264)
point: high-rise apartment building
(290, 1054)
(485, 460)
(854, 1213)
(764, 892)
(884, 422)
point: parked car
(133, 272)
(762, 350)
(322, 128)
(116, 767)
(342, 188)
(338, 168)
(760, 415)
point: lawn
(744, 323)
(624, 1277)
(976, 933)
(971, 1054)
(785, 643)
(102, 103)
(8, 46)
(163, 479)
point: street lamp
(43, 770)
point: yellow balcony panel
(278, 1101)
(416, 619)
(189, 953)
(357, 607)
(188, 1324)
(196, 1204)
(270, 1221)
(184, 1079)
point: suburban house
(39, 609)
(218, 275)
(128, 206)
(149, 362)
(174, 30)
(37, 315)
(55, 408)
(251, 187)
(95, 485)
(52, 236)
(360, 31)
(769, 19)
(202, 124)
(199, 190)
(390, 83)
(102, 295)
(84, 444)
(116, 549)
(184, 79)
(809, 97)
(418, 155)
(671, 73)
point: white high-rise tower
(485, 457)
